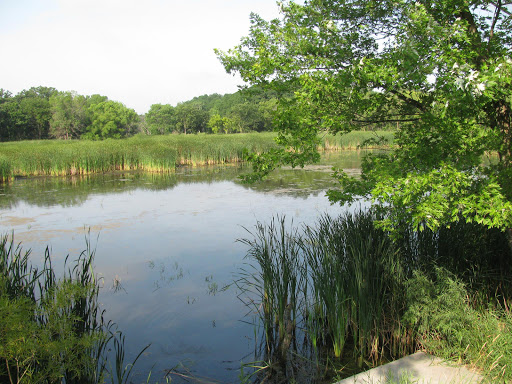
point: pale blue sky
(139, 52)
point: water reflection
(168, 272)
(75, 190)
(166, 251)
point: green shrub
(448, 326)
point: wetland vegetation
(341, 296)
(53, 329)
(428, 265)
(147, 153)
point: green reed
(148, 153)
(356, 291)
(357, 279)
(73, 339)
(277, 283)
(156, 154)
(357, 139)
(341, 282)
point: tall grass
(277, 282)
(158, 153)
(341, 282)
(357, 296)
(52, 328)
(440, 311)
(147, 153)
(356, 140)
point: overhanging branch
(415, 103)
(385, 121)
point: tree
(191, 117)
(39, 92)
(219, 124)
(161, 119)
(267, 109)
(71, 114)
(246, 117)
(110, 119)
(5, 98)
(25, 116)
(442, 70)
(69, 117)
(37, 113)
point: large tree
(161, 119)
(191, 117)
(27, 115)
(440, 70)
(110, 119)
(69, 115)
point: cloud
(136, 52)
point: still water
(166, 249)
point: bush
(449, 327)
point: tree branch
(474, 34)
(495, 19)
(408, 100)
(504, 10)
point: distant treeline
(46, 113)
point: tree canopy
(440, 70)
(160, 119)
(110, 119)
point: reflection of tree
(295, 182)
(75, 190)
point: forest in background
(46, 113)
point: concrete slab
(418, 368)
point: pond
(167, 252)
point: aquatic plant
(338, 284)
(365, 297)
(277, 283)
(161, 153)
(154, 154)
(52, 328)
(357, 285)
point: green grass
(147, 153)
(338, 284)
(450, 327)
(157, 153)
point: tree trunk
(503, 122)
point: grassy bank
(341, 296)
(148, 153)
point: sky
(138, 52)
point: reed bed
(147, 153)
(277, 281)
(343, 293)
(154, 154)
(357, 140)
(338, 283)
